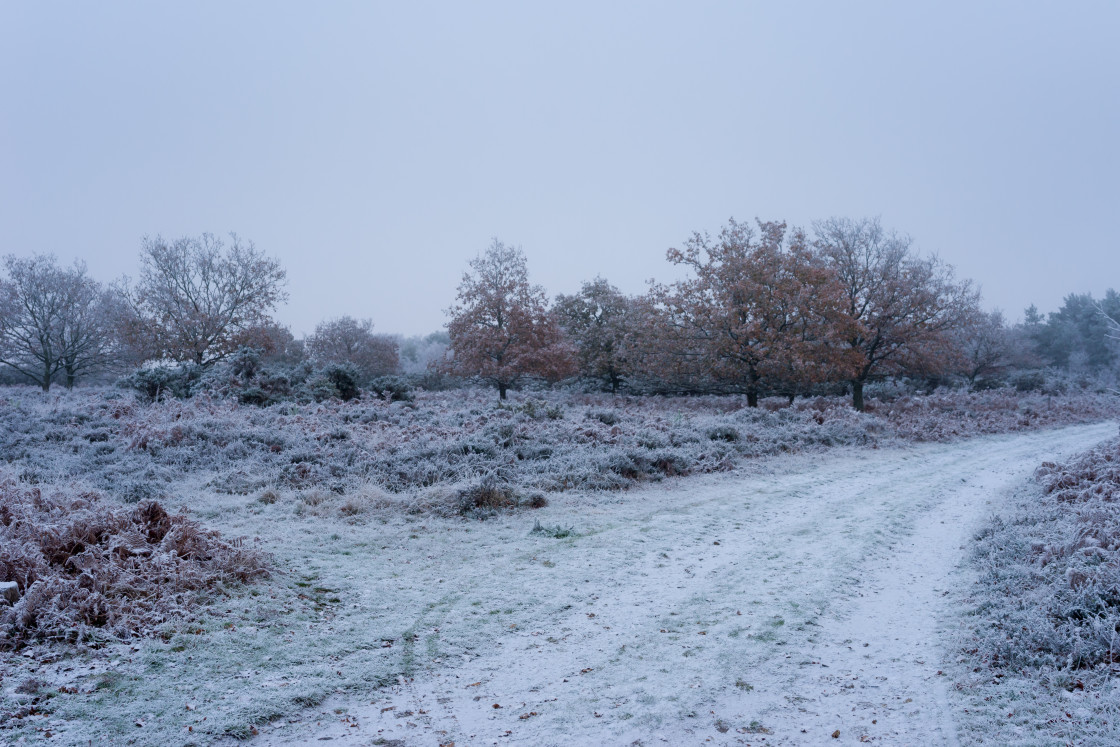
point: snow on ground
(778, 606)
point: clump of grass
(487, 494)
(556, 532)
(315, 497)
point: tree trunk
(857, 394)
(501, 391)
(752, 398)
(791, 397)
(70, 377)
(46, 381)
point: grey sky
(375, 148)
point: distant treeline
(765, 310)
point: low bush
(86, 568)
(391, 388)
(157, 383)
(1051, 574)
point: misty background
(375, 148)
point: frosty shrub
(159, 382)
(342, 380)
(487, 493)
(86, 568)
(1050, 603)
(548, 442)
(392, 388)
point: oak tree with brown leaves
(500, 327)
(903, 308)
(760, 313)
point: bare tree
(89, 336)
(54, 320)
(198, 300)
(500, 327)
(349, 340)
(903, 307)
(1113, 325)
(984, 344)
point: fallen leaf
(836, 734)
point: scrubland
(197, 570)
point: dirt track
(767, 608)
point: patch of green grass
(556, 532)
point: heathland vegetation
(187, 404)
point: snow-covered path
(770, 608)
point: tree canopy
(500, 326)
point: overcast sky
(376, 148)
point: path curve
(778, 607)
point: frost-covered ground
(780, 606)
(1040, 647)
(764, 632)
(724, 606)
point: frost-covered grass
(358, 503)
(439, 452)
(1044, 635)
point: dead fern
(86, 569)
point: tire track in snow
(712, 610)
